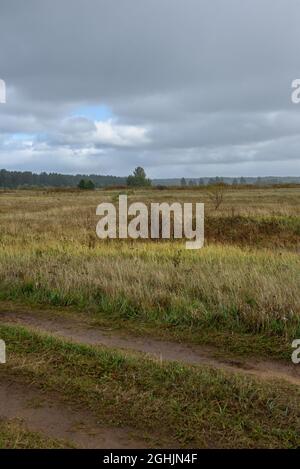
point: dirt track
(154, 348)
(46, 414)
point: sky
(188, 88)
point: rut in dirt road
(79, 332)
(45, 414)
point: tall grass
(219, 285)
(49, 254)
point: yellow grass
(49, 253)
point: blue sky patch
(95, 113)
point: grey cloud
(194, 85)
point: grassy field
(239, 294)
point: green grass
(225, 343)
(187, 406)
(218, 289)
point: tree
(216, 195)
(81, 184)
(86, 184)
(138, 178)
(139, 172)
(183, 182)
(89, 185)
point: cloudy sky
(182, 87)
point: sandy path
(79, 332)
(47, 415)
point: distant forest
(15, 179)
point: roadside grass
(189, 406)
(14, 435)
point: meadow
(237, 298)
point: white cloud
(110, 133)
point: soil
(46, 414)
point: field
(123, 343)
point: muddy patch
(44, 414)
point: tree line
(15, 179)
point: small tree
(139, 172)
(183, 182)
(138, 178)
(90, 185)
(81, 184)
(217, 195)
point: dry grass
(258, 290)
(49, 254)
(256, 217)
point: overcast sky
(181, 87)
